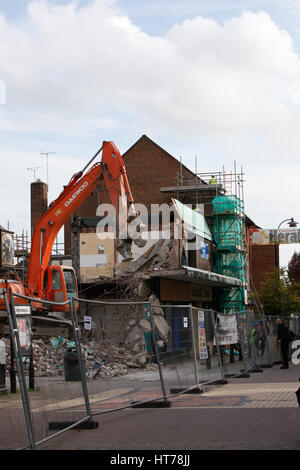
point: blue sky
(215, 79)
(157, 16)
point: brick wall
(39, 201)
(262, 259)
(148, 167)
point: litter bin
(71, 365)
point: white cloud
(15, 187)
(71, 70)
(52, 122)
(201, 77)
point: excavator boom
(58, 283)
(112, 170)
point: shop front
(177, 291)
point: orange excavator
(58, 283)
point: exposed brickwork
(148, 167)
(262, 259)
(39, 201)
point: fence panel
(257, 341)
(190, 356)
(209, 359)
(117, 355)
(293, 323)
(18, 425)
(176, 355)
(274, 349)
(122, 369)
(54, 399)
(230, 348)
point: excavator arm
(112, 170)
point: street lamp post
(291, 223)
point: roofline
(174, 158)
(251, 222)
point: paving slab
(256, 413)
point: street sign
(268, 236)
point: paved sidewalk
(260, 412)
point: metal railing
(153, 354)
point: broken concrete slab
(142, 261)
(145, 326)
(162, 327)
(155, 304)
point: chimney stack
(39, 201)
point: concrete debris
(156, 308)
(144, 261)
(145, 326)
(160, 323)
(134, 335)
(162, 327)
(112, 360)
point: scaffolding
(223, 201)
(22, 247)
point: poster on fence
(226, 328)
(201, 336)
(24, 326)
(25, 339)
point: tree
(294, 269)
(278, 295)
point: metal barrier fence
(293, 323)
(56, 404)
(152, 354)
(204, 347)
(128, 370)
(256, 341)
(190, 357)
(81, 385)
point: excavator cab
(60, 285)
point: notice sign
(204, 250)
(226, 328)
(22, 310)
(267, 237)
(23, 320)
(24, 329)
(87, 323)
(203, 354)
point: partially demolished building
(196, 255)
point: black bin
(71, 365)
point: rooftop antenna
(46, 154)
(34, 169)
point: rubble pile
(105, 359)
(102, 357)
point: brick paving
(260, 412)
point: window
(56, 281)
(45, 282)
(70, 281)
